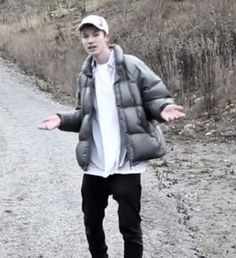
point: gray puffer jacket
(140, 98)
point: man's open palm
(50, 123)
(172, 112)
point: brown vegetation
(190, 43)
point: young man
(117, 98)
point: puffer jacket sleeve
(71, 120)
(155, 95)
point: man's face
(94, 40)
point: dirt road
(188, 204)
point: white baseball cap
(97, 21)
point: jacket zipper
(123, 126)
(90, 125)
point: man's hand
(172, 112)
(50, 123)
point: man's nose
(90, 39)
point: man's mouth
(91, 48)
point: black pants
(126, 190)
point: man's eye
(96, 34)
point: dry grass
(48, 52)
(190, 43)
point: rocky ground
(188, 203)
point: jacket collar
(110, 63)
(87, 67)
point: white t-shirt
(106, 129)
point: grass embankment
(190, 44)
